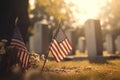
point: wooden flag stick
(45, 61)
(48, 50)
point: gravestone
(105, 46)
(117, 43)
(40, 41)
(81, 44)
(93, 37)
(110, 43)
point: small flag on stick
(18, 47)
(60, 45)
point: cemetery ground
(76, 69)
(82, 69)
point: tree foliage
(115, 4)
(50, 10)
(111, 17)
(112, 13)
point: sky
(86, 9)
(83, 9)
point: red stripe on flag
(56, 50)
(66, 47)
(69, 44)
(54, 54)
(24, 59)
(18, 43)
(63, 48)
(59, 48)
(27, 60)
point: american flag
(60, 45)
(19, 48)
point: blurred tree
(110, 17)
(115, 11)
(52, 11)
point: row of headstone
(112, 44)
(92, 42)
(40, 41)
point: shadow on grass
(98, 59)
(102, 60)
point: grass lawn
(77, 70)
(82, 70)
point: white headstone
(117, 43)
(40, 41)
(110, 43)
(81, 44)
(93, 37)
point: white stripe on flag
(66, 47)
(63, 48)
(24, 59)
(57, 52)
(54, 54)
(60, 50)
(68, 44)
(27, 60)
